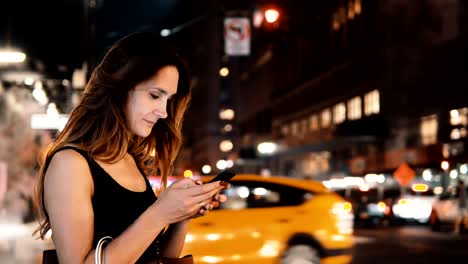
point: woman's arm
(173, 240)
(68, 191)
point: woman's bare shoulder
(68, 168)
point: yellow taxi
(274, 220)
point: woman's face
(147, 101)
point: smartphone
(225, 176)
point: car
(445, 210)
(272, 219)
(414, 204)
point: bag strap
(98, 253)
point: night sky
(52, 32)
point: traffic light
(271, 15)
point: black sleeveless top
(115, 207)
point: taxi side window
(243, 195)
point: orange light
(420, 187)
(347, 206)
(188, 174)
(402, 201)
(382, 206)
(271, 15)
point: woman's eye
(153, 96)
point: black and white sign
(237, 36)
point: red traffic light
(271, 15)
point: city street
(409, 244)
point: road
(409, 244)
(395, 245)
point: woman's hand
(185, 198)
(214, 202)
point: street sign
(237, 36)
(404, 174)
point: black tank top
(115, 207)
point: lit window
(459, 117)
(458, 133)
(285, 130)
(314, 122)
(303, 128)
(294, 128)
(429, 130)
(354, 108)
(372, 103)
(339, 113)
(325, 118)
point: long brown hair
(98, 125)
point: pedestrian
(462, 214)
(93, 179)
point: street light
(8, 56)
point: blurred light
(243, 192)
(381, 206)
(357, 7)
(29, 81)
(213, 237)
(402, 201)
(227, 128)
(44, 121)
(271, 15)
(221, 164)
(260, 191)
(229, 163)
(270, 248)
(11, 56)
(226, 145)
(444, 165)
(438, 190)
(364, 187)
(464, 169)
(52, 109)
(453, 174)
(188, 174)
(65, 82)
(427, 175)
(165, 32)
(211, 259)
(454, 113)
(226, 114)
(255, 234)
(350, 10)
(455, 134)
(420, 187)
(347, 207)
(189, 238)
(257, 18)
(224, 71)
(267, 147)
(206, 169)
(39, 93)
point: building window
(285, 130)
(294, 128)
(459, 117)
(372, 103)
(429, 130)
(354, 108)
(325, 116)
(339, 113)
(314, 122)
(303, 126)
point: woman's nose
(160, 111)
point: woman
(127, 126)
